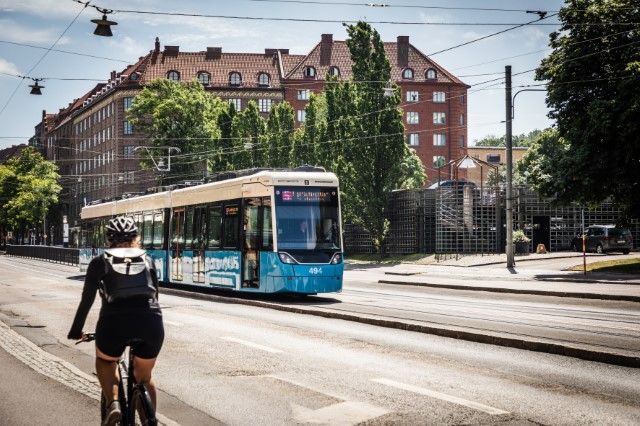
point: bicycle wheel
(142, 411)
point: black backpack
(127, 275)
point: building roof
(8, 153)
(340, 57)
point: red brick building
(93, 143)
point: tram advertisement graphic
(222, 268)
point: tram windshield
(307, 219)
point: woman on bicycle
(122, 317)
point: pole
(509, 149)
(584, 245)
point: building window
(438, 161)
(407, 74)
(173, 75)
(303, 95)
(462, 100)
(134, 76)
(414, 139)
(439, 97)
(204, 77)
(264, 105)
(309, 72)
(493, 158)
(128, 151)
(462, 119)
(462, 141)
(413, 96)
(126, 102)
(412, 117)
(129, 177)
(302, 114)
(431, 74)
(439, 118)
(439, 139)
(237, 103)
(264, 79)
(127, 127)
(334, 71)
(235, 79)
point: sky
(45, 22)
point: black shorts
(115, 330)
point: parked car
(604, 238)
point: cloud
(44, 8)
(8, 67)
(129, 47)
(13, 31)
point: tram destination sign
(307, 195)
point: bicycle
(135, 403)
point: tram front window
(307, 220)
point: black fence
(69, 256)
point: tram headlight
(336, 259)
(286, 258)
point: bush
(520, 237)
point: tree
(249, 146)
(522, 140)
(315, 127)
(222, 161)
(29, 187)
(179, 114)
(594, 96)
(280, 135)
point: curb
(597, 296)
(492, 339)
(504, 262)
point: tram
(265, 231)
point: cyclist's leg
(107, 370)
(142, 370)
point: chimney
(403, 51)
(171, 50)
(113, 76)
(326, 44)
(213, 53)
(157, 47)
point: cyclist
(130, 310)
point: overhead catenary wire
(69, 52)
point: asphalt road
(248, 365)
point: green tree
(522, 140)
(279, 135)
(179, 114)
(222, 161)
(248, 129)
(315, 128)
(30, 186)
(594, 96)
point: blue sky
(41, 22)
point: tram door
(251, 243)
(199, 243)
(177, 244)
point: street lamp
(103, 26)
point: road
(240, 364)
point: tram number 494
(315, 271)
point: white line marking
(345, 413)
(443, 396)
(177, 324)
(251, 344)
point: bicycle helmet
(121, 229)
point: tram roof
(248, 185)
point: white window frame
(413, 96)
(264, 80)
(237, 103)
(235, 79)
(264, 105)
(126, 102)
(302, 114)
(204, 78)
(439, 139)
(413, 139)
(439, 97)
(127, 127)
(439, 118)
(407, 74)
(439, 161)
(304, 94)
(413, 117)
(431, 74)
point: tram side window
(158, 231)
(147, 230)
(188, 228)
(137, 217)
(177, 233)
(251, 217)
(267, 230)
(199, 230)
(213, 228)
(230, 227)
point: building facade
(94, 144)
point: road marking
(443, 396)
(342, 413)
(251, 344)
(177, 324)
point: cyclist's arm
(154, 275)
(94, 274)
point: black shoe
(114, 415)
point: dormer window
(309, 72)
(407, 74)
(204, 78)
(235, 79)
(264, 79)
(334, 71)
(173, 75)
(134, 76)
(431, 74)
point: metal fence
(69, 256)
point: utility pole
(509, 189)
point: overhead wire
(69, 52)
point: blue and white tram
(221, 234)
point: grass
(418, 259)
(622, 266)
